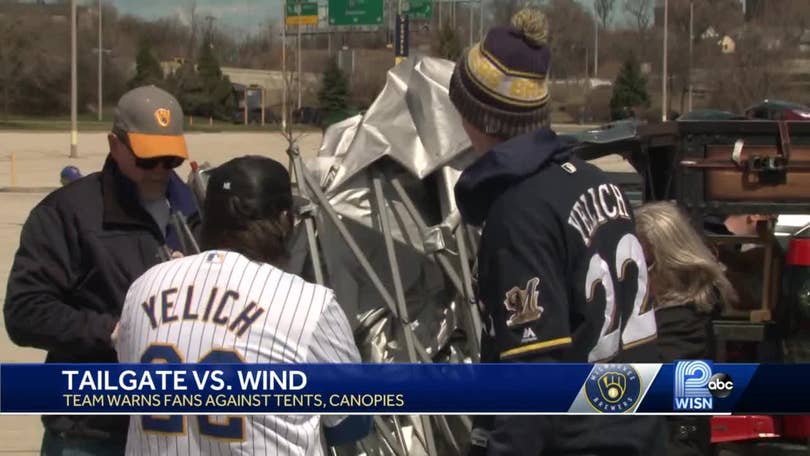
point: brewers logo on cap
(613, 388)
(164, 117)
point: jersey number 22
(232, 430)
(640, 325)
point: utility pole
(587, 64)
(284, 66)
(691, 42)
(664, 70)
(210, 33)
(392, 23)
(596, 47)
(100, 58)
(481, 20)
(300, 77)
(74, 130)
(471, 10)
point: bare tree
(743, 78)
(567, 19)
(640, 10)
(191, 9)
(19, 56)
(790, 18)
(604, 9)
(503, 10)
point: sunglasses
(152, 163)
(168, 162)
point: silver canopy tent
(383, 232)
(381, 229)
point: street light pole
(74, 131)
(664, 71)
(691, 43)
(471, 10)
(284, 66)
(100, 54)
(480, 20)
(300, 78)
(596, 47)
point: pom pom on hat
(533, 25)
(500, 84)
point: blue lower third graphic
(613, 388)
(691, 385)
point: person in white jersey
(234, 303)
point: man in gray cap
(85, 243)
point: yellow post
(264, 94)
(190, 121)
(13, 169)
(246, 105)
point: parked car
(778, 110)
(710, 114)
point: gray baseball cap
(152, 121)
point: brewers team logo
(164, 117)
(215, 257)
(613, 388)
(522, 304)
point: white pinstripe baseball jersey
(221, 307)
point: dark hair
(260, 240)
(248, 209)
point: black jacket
(80, 249)
(685, 333)
(546, 216)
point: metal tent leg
(309, 224)
(422, 227)
(464, 287)
(385, 433)
(467, 280)
(410, 340)
(362, 260)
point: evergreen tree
(335, 90)
(187, 87)
(208, 65)
(629, 91)
(334, 94)
(448, 45)
(147, 67)
(205, 91)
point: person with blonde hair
(682, 269)
(687, 287)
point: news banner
(690, 387)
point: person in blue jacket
(69, 174)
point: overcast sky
(244, 16)
(236, 15)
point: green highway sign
(355, 12)
(302, 13)
(420, 9)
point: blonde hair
(683, 268)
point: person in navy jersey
(561, 273)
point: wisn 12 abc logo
(696, 386)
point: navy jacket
(558, 253)
(80, 249)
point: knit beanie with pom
(500, 85)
